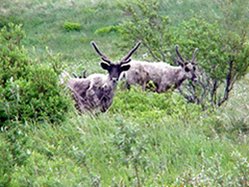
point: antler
(178, 54)
(194, 54)
(127, 59)
(103, 57)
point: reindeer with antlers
(163, 75)
(96, 91)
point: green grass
(44, 21)
(145, 138)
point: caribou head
(188, 66)
(115, 69)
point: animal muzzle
(194, 79)
(115, 79)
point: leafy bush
(223, 54)
(107, 29)
(131, 143)
(148, 106)
(71, 26)
(28, 91)
(212, 173)
(14, 152)
(149, 26)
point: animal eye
(187, 69)
(194, 68)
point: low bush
(71, 26)
(28, 90)
(107, 30)
(147, 106)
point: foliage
(14, 151)
(14, 60)
(234, 16)
(71, 26)
(223, 58)
(211, 173)
(112, 150)
(149, 26)
(28, 91)
(107, 30)
(147, 106)
(131, 144)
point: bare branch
(213, 91)
(188, 97)
(161, 47)
(151, 52)
(229, 84)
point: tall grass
(121, 149)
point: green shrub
(71, 26)
(149, 106)
(107, 30)
(28, 91)
(149, 26)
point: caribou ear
(105, 65)
(125, 67)
(181, 64)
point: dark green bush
(28, 90)
(71, 26)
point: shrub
(28, 91)
(149, 26)
(148, 106)
(71, 26)
(107, 30)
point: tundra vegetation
(145, 138)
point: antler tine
(194, 54)
(178, 54)
(127, 59)
(103, 57)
